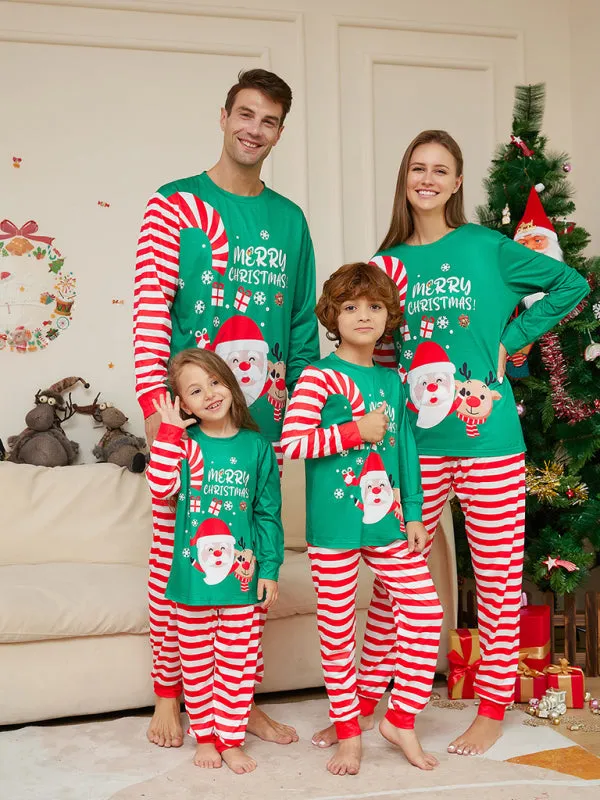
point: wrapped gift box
(464, 658)
(530, 683)
(568, 679)
(534, 636)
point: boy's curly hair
(352, 281)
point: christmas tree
(556, 382)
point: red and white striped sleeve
(164, 469)
(156, 281)
(301, 436)
(385, 352)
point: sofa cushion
(293, 508)
(55, 601)
(94, 513)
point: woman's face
(432, 178)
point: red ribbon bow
(459, 664)
(8, 230)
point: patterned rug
(110, 759)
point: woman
(461, 283)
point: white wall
(109, 100)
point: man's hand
(269, 590)
(502, 356)
(372, 426)
(416, 533)
(152, 424)
(168, 412)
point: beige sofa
(73, 569)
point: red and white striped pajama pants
(219, 656)
(166, 667)
(416, 623)
(491, 492)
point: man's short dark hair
(266, 82)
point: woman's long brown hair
(402, 225)
(215, 366)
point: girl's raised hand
(170, 412)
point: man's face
(252, 128)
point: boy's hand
(416, 533)
(372, 426)
(169, 412)
(267, 589)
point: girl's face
(362, 321)
(203, 395)
(432, 178)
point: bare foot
(346, 759)
(408, 742)
(268, 729)
(165, 726)
(238, 761)
(479, 737)
(207, 756)
(328, 736)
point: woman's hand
(502, 356)
(169, 412)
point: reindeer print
(476, 400)
(276, 391)
(244, 565)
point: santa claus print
(215, 551)
(377, 493)
(241, 345)
(432, 386)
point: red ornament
(518, 142)
(570, 493)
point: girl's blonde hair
(215, 366)
(402, 225)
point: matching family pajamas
(227, 535)
(236, 275)
(458, 295)
(354, 511)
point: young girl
(224, 481)
(347, 415)
(461, 283)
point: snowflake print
(338, 494)
(382, 393)
(194, 523)
(344, 453)
(360, 461)
(181, 496)
(185, 552)
(408, 354)
(596, 310)
(199, 307)
(233, 460)
(228, 505)
(260, 298)
(181, 283)
(216, 322)
(264, 235)
(207, 277)
(445, 267)
(442, 322)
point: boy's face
(362, 321)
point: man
(226, 263)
